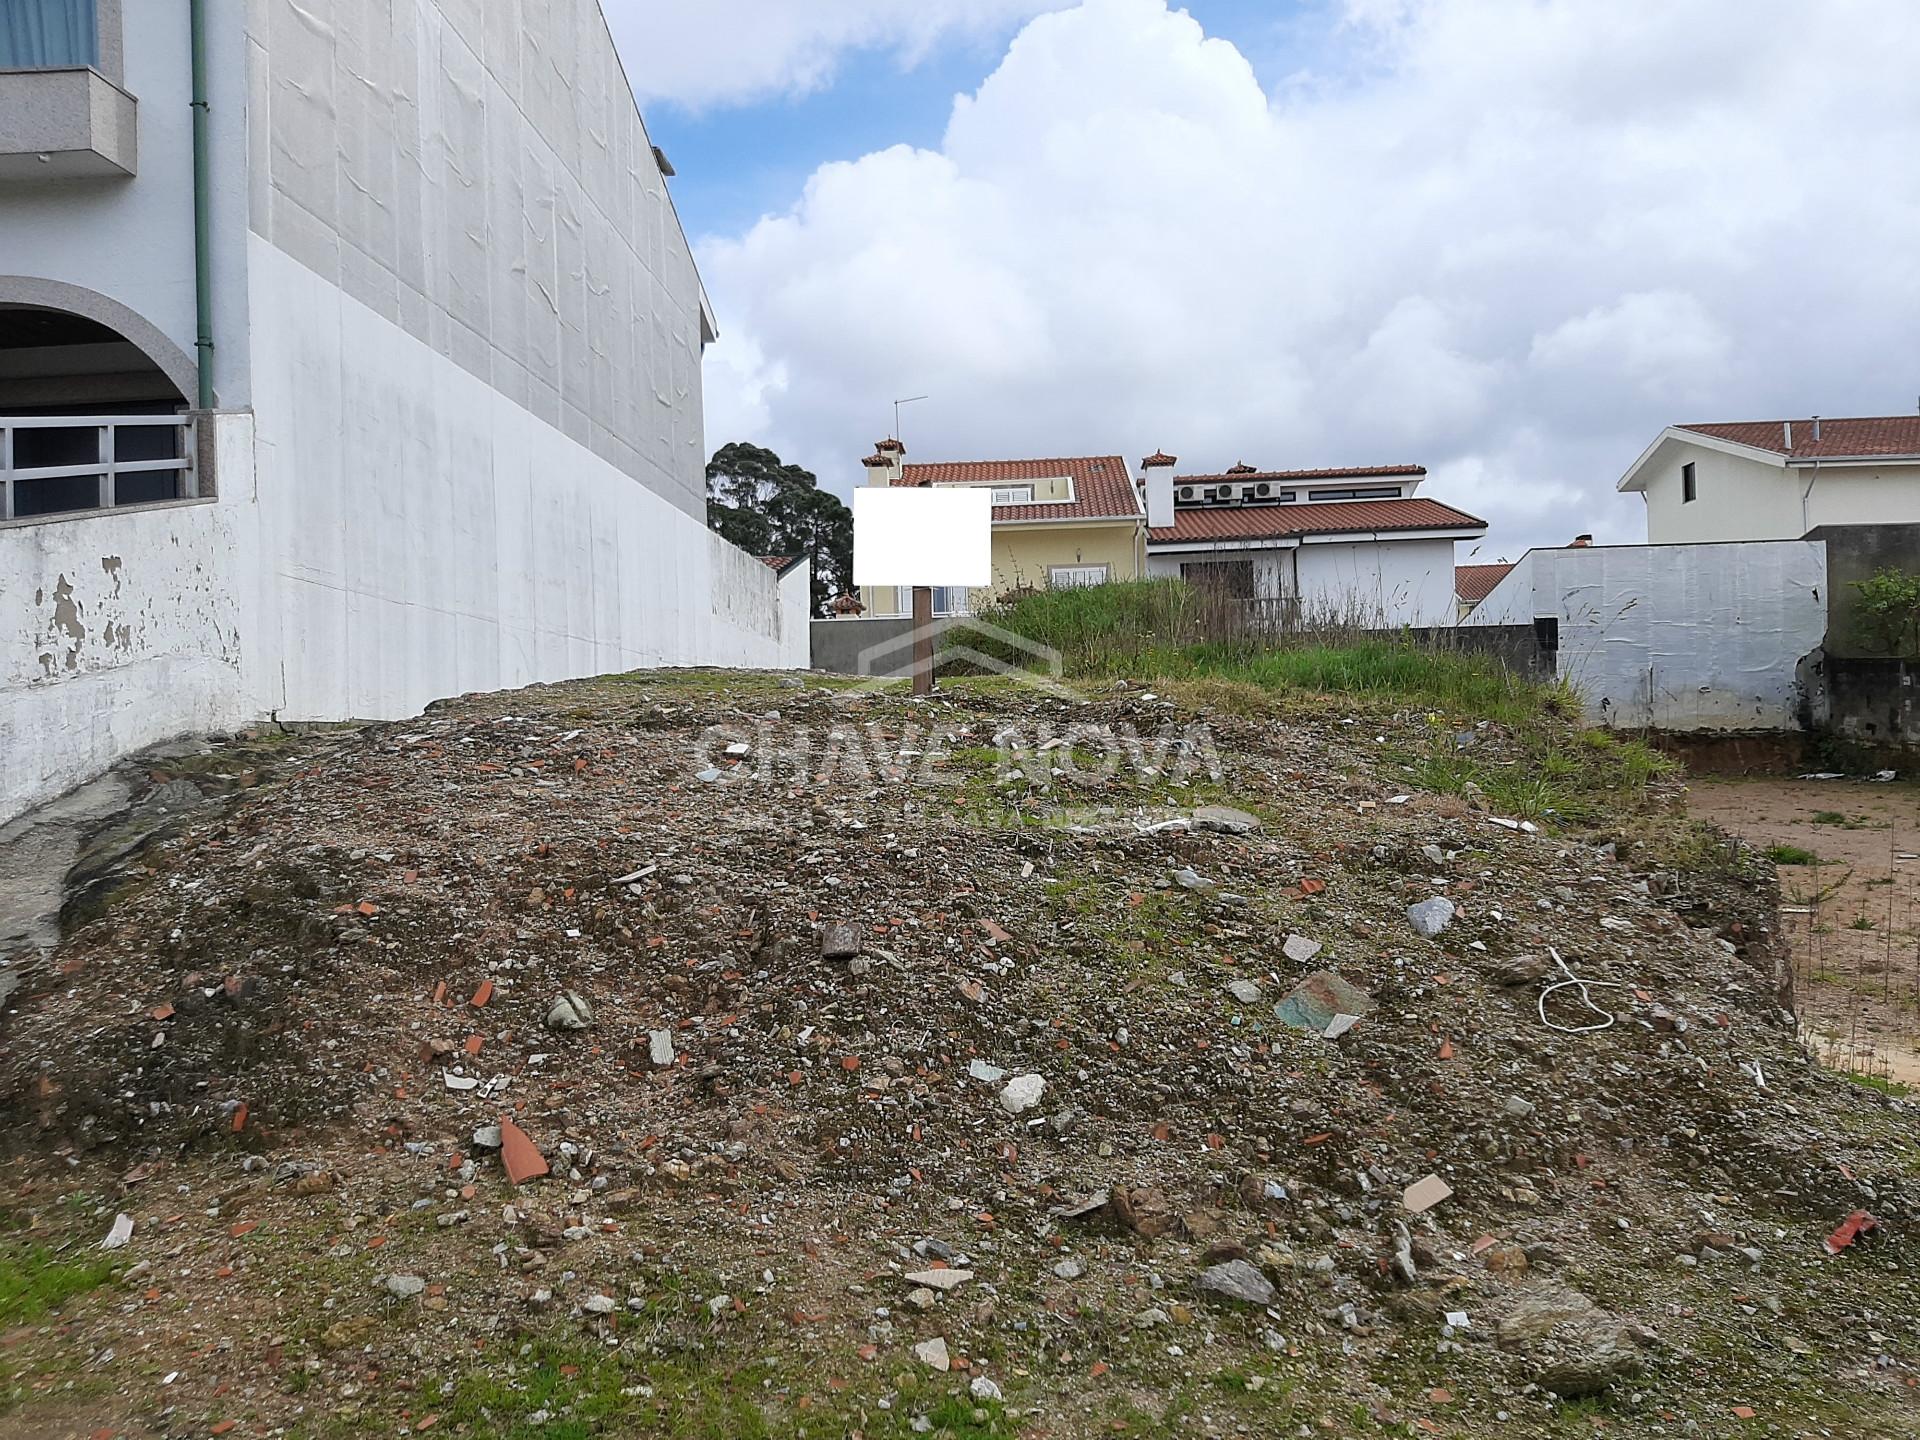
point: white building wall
(131, 240)
(1272, 569)
(1743, 498)
(1372, 583)
(429, 536)
(120, 631)
(1377, 583)
(1676, 637)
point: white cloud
(702, 53)
(1509, 239)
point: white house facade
(1309, 547)
(350, 356)
(1777, 479)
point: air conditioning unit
(1263, 489)
(1186, 492)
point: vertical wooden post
(923, 640)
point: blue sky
(737, 163)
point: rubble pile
(1292, 1056)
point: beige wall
(1026, 555)
(1747, 499)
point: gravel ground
(897, 1073)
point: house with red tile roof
(1056, 522)
(1473, 583)
(1353, 545)
(1777, 479)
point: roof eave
(1632, 481)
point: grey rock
(1240, 1281)
(984, 1390)
(1300, 949)
(1245, 991)
(660, 1048)
(405, 1287)
(839, 941)
(1225, 819)
(1068, 1269)
(1575, 1348)
(1187, 878)
(1519, 970)
(1431, 917)
(570, 1011)
(487, 1137)
(1519, 1107)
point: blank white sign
(920, 535)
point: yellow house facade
(1056, 523)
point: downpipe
(202, 203)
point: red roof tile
(1102, 489)
(1473, 583)
(1356, 472)
(1842, 439)
(1284, 522)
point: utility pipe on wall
(202, 203)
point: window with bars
(61, 465)
(1076, 577)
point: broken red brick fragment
(520, 1156)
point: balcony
(66, 124)
(52, 467)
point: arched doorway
(88, 419)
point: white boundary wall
(1676, 637)
(433, 537)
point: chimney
(888, 463)
(1581, 542)
(1786, 428)
(1157, 480)
(1816, 429)
(1243, 469)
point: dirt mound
(1060, 974)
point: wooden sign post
(916, 537)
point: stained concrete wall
(1676, 637)
(118, 631)
(477, 175)
(1855, 553)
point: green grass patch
(569, 1390)
(1886, 1085)
(1164, 630)
(1536, 762)
(1791, 855)
(36, 1281)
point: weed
(35, 1281)
(1791, 855)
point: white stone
(1023, 1092)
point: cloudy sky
(1506, 239)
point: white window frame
(1100, 574)
(1013, 495)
